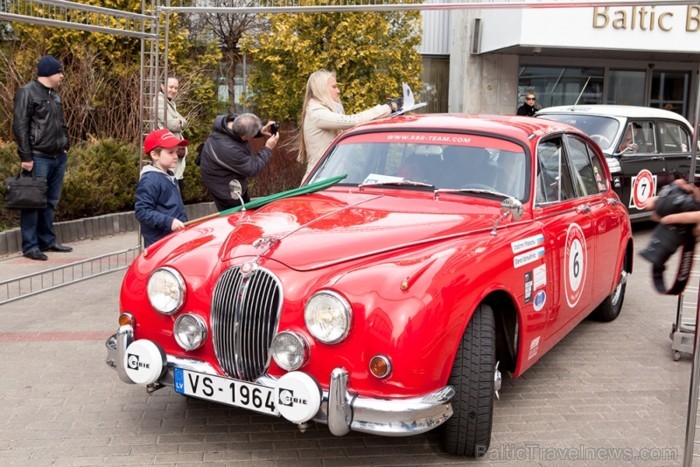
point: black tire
(610, 309)
(468, 431)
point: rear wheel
(468, 431)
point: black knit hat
(48, 66)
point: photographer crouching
(677, 208)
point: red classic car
(454, 248)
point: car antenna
(581, 93)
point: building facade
(637, 55)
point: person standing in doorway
(42, 144)
(171, 119)
(529, 106)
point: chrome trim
(339, 411)
(342, 411)
(245, 312)
(125, 336)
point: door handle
(583, 209)
(611, 201)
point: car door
(674, 144)
(569, 241)
(643, 167)
(592, 182)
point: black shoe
(58, 247)
(36, 255)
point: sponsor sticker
(528, 257)
(539, 276)
(534, 348)
(527, 243)
(528, 287)
(540, 299)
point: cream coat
(322, 125)
(174, 122)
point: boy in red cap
(159, 207)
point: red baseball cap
(162, 139)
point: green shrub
(101, 178)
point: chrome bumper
(340, 410)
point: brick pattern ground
(608, 389)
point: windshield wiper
(396, 183)
(471, 190)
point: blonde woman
(323, 117)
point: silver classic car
(645, 148)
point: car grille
(244, 318)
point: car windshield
(602, 130)
(430, 161)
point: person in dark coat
(227, 155)
(529, 107)
(42, 144)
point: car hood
(320, 229)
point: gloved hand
(396, 104)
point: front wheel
(468, 431)
(612, 305)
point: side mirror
(513, 207)
(236, 189)
(509, 207)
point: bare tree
(228, 28)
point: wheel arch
(507, 325)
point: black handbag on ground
(25, 192)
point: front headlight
(328, 317)
(166, 290)
(190, 331)
(290, 350)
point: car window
(466, 161)
(587, 178)
(602, 130)
(553, 177)
(639, 137)
(673, 137)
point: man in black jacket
(42, 142)
(227, 155)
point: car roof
(628, 111)
(506, 125)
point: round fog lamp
(190, 331)
(289, 350)
(380, 366)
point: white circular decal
(643, 188)
(144, 362)
(298, 397)
(576, 264)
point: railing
(60, 276)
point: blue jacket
(158, 202)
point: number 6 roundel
(575, 264)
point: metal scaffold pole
(691, 423)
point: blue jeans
(37, 224)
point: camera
(666, 238)
(274, 128)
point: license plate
(227, 391)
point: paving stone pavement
(609, 394)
